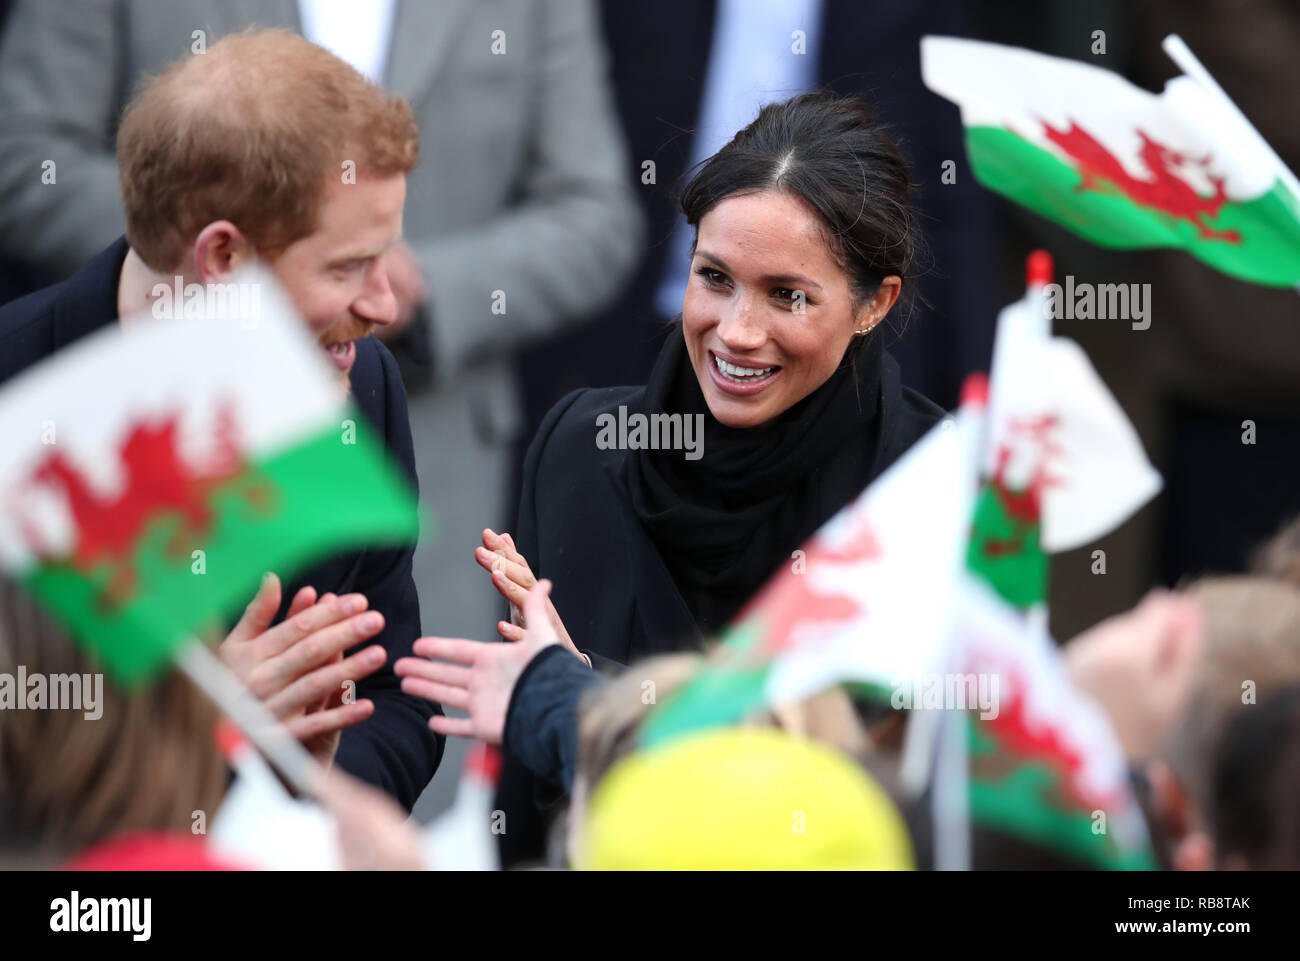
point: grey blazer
(523, 186)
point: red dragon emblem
(1014, 741)
(159, 482)
(1021, 742)
(1162, 190)
(789, 601)
(1023, 506)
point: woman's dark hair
(835, 155)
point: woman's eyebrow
(796, 280)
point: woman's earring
(865, 330)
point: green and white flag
(156, 469)
(1045, 764)
(1118, 165)
(1062, 465)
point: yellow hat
(746, 798)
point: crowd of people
(1214, 768)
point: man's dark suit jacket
(394, 749)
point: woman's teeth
(339, 349)
(732, 372)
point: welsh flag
(866, 601)
(156, 469)
(1061, 463)
(1062, 466)
(1045, 766)
(1122, 167)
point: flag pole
(935, 749)
(1182, 55)
(951, 795)
(950, 800)
(920, 738)
(303, 772)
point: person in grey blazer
(520, 218)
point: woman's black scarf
(724, 523)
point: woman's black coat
(576, 526)
(616, 597)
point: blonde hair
(251, 131)
(610, 715)
(148, 762)
(1280, 555)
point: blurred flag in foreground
(1061, 464)
(1122, 167)
(156, 469)
(1046, 765)
(866, 601)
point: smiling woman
(804, 242)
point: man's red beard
(344, 331)
(341, 333)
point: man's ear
(219, 250)
(1190, 846)
(874, 309)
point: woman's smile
(741, 379)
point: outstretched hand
(475, 676)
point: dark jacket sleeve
(541, 728)
(394, 749)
